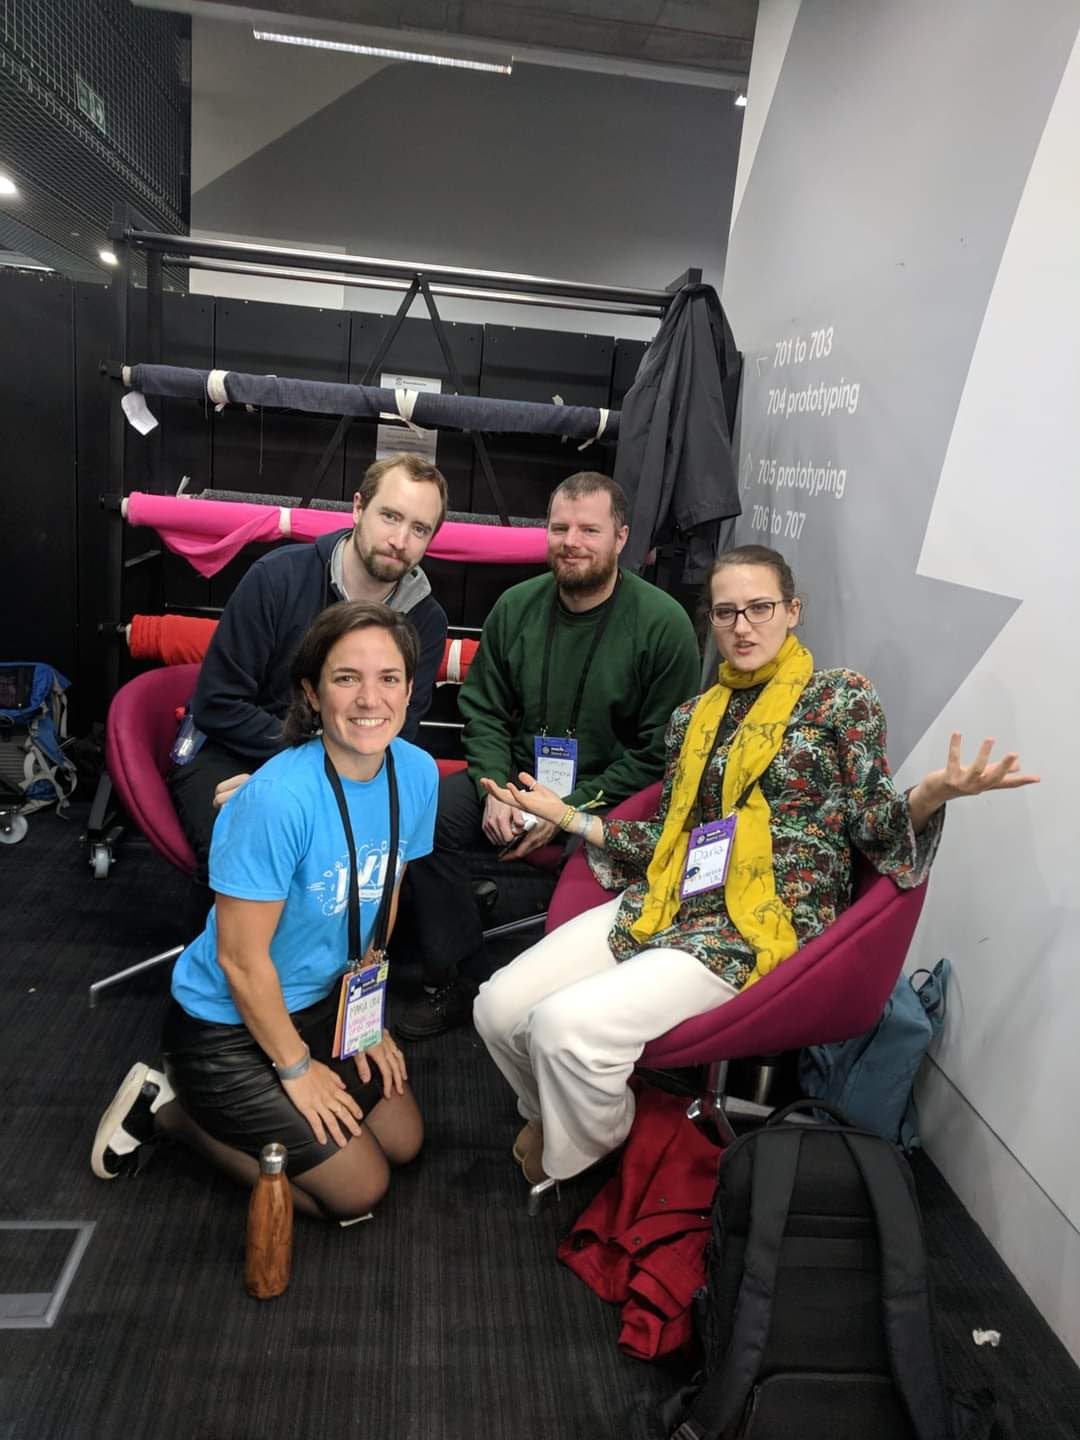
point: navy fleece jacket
(243, 690)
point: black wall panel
(628, 355)
(275, 452)
(37, 474)
(537, 365)
(181, 445)
(54, 416)
(416, 351)
(90, 699)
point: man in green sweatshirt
(575, 679)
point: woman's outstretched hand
(537, 799)
(958, 779)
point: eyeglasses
(758, 612)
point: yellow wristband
(567, 819)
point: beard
(583, 578)
(381, 567)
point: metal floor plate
(38, 1309)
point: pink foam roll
(210, 533)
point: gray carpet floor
(445, 1317)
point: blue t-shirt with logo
(281, 838)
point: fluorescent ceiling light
(740, 100)
(107, 257)
(7, 186)
(385, 53)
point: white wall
(246, 93)
(920, 195)
(596, 178)
(1006, 897)
(271, 289)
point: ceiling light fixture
(385, 53)
(7, 186)
(740, 100)
(107, 257)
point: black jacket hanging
(674, 458)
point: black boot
(437, 1010)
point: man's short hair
(591, 482)
(416, 467)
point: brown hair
(591, 482)
(416, 467)
(755, 555)
(301, 721)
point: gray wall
(913, 201)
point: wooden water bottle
(269, 1227)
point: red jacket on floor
(641, 1242)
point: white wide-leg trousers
(565, 1024)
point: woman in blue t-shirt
(299, 866)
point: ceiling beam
(462, 46)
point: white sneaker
(129, 1121)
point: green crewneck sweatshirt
(645, 665)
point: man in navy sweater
(243, 688)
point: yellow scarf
(756, 910)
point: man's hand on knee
(228, 788)
(502, 824)
(540, 834)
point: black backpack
(816, 1321)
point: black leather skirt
(228, 1086)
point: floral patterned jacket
(830, 791)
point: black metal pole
(345, 423)
(120, 298)
(155, 455)
(651, 311)
(477, 436)
(692, 276)
(494, 280)
(391, 334)
(153, 351)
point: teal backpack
(870, 1079)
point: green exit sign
(90, 103)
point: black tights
(348, 1184)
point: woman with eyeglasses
(774, 776)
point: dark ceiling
(700, 36)
(133, 59)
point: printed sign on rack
(393, 439)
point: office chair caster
(101, 860)
(13, 826)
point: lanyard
(598, 635)
(382, 919)
(695, 811)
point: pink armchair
(832, 989)
(139, 733)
